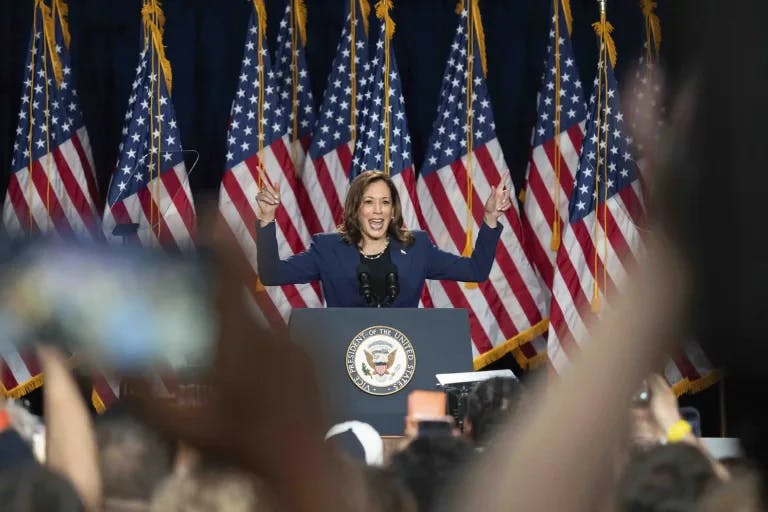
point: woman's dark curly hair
(350, 229)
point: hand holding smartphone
(427, 414)
(122, 307)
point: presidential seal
(380, 360)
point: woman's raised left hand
(498, 202)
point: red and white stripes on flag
(603, 240)
(295, 112)
(149, 186)
(107, 387)
(327, 171)
(464, 161)
(259, 148)
(592, 249)
(20, 372)
(506, 312)
(164, 210)
(237, 206)
(52, 187)
(57, 196)
(556, 146)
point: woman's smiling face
(376, 211)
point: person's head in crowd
(386, 493)
(31, 487)
(491, 403)
(665, 478)
(357, 440)
(428, 466)
(133, 458)
(372, 210)
(212, 488)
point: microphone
(125, 231)
(366, 288)
(392, 284)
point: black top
(378, 268)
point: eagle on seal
(379, 366)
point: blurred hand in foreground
(264, 411)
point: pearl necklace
(374, 256)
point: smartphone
(124, 307)
(434, 429)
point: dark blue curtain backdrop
(204, 40)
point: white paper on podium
(445, 379)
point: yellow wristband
(678, 431)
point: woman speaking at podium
(372, 260)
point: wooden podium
(369, 359)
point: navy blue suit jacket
(334, 263)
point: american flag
(645, 90)
(689, 369)
(150, 186)
(602, 239)
(59, 195)
(461, 167)
(383, 142)
(105, 390)
(20, 372)
(327, 170)
(556, 145)
(296, 110)
(258, 135)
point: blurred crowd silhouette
(579, 442)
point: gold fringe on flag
(468, 130)
(154, 20)
(568, 15)
(352, 61)
(652, 25)
(554, 242)
(382, 12)
(478, 26)
(605, 35)
(365, 7)
(513, 345)
(261, 16)
(24, 388)
(261, 23)
(98, 404)
(49, 35)
(686, 386)
(153, 11)
(61, 10)
(300, 8)
(32, 81)
(478, 23)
